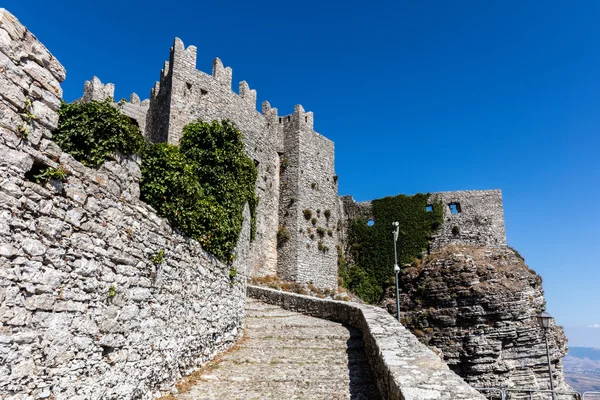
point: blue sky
(418, 96)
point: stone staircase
(286, 355)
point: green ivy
(93, 131)
(372, 247)
(202, 186)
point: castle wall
(479, 220)
(310, 255)
(136, 110)
(95, 90)
(84, 311)
(270, 140)
(186, 94)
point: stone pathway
(289, 356)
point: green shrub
(321, 246)
(321, 231)
(327, 214)
(91, 132)
(202, 186)
(307, 214)
(455, 230)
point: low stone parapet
(405, 369)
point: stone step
(289, 356)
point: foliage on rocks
(50, 173)
(202, 186)
(93, 131)
(371, 247)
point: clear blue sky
(418, 96)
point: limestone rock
(477, 305)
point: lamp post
(396, 268)
(543, 320)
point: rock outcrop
(476, 306)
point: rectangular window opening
(429, 207)
(454, 208)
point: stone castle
(87, 313)
(296, 169)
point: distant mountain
(582, 368)
(584, 352)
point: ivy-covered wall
(369, 246)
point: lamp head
(543, 320)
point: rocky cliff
(476, 306)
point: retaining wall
(404, 368)
(87, 310)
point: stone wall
(404, 368)
(478, 220)
(87, 310)
(185, 94)
(308, 183)
(95, 90)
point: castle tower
(308, 203)
(185, 94)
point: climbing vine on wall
(202, 186)
(371, 247)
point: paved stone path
(289, 356)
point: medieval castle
(89, 310)
(296, 169)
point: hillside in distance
(582, 368)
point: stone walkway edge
(404, 368)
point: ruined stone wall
(479, 219)
(85, 312)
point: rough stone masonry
(295, 163)
(88, 309)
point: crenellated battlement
(184, 94)
(222, 74)
(249, 95)
(95, 90)
(299, 119)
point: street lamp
(543, 320)
(396, 268)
